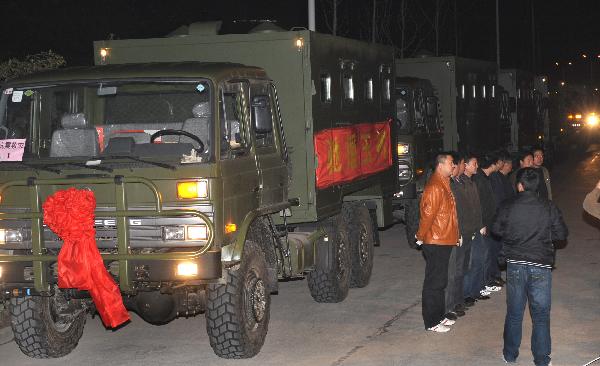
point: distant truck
(469, 99)
(420, 138)
(527, 107)
(213, 179)
(464, 109)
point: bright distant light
(556, 63)
(562, 83)
(584, 55)
(592, 120)
(570, 63)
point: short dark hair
(487, 160)
(537, 148)
(503, 155)
(457, 156)
(440, 158)
(523, 155)
(470, 156)
(529, 178)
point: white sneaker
(484, 293)
(440, 328)
(493, 288)
(447, 322)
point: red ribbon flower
(70, 214)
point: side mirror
(261, 113)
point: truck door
(267, 142)
(240, 178)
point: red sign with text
(348, 153)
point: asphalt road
(381, 324)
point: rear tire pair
(351, 240)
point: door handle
(256, 189)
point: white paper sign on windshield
(12, 149)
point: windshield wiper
(160, 165)
(94, 167)
(44, 168)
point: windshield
(104, 119)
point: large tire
(376, 239)
(360, 228)
(331, 285)
(47, 327)
(411, 221)
(237, 313)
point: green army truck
(420, 138)
(213, 180)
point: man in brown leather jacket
(437, 234)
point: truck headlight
(404, 172)
(403, 148)
(10, 236)
(192, 189)
(174, 233)
(196, 232)
(187, 269)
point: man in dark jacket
(487, 166)
(469, 222)
(527, 225)
(473, 279)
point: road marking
(380, 331)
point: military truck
(213, 179)
(472, 113)
(526, 107)
(420, 137)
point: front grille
(144, 232)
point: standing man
(469, 222)
(509, 192)
(438, 233)
(482, 179)
(473, 279)
(538, 161)
(528, 225)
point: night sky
(564, 29)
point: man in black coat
(528, 225)
(487, 166)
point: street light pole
(497, 35)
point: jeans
(436, 279)
(534, 285)
(456, 272)
(474, 278)
(493, 269)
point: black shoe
(450, 315)
(460, 307)
(459, 313)
(483, 297)
(469, 301)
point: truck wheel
(331, 285)
(411, 221)
(376, 239)
(362, 248)
(47, 327)
(237, 313)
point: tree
(13, 68)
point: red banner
(348, 153)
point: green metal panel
(295, 69)
(284, 62)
